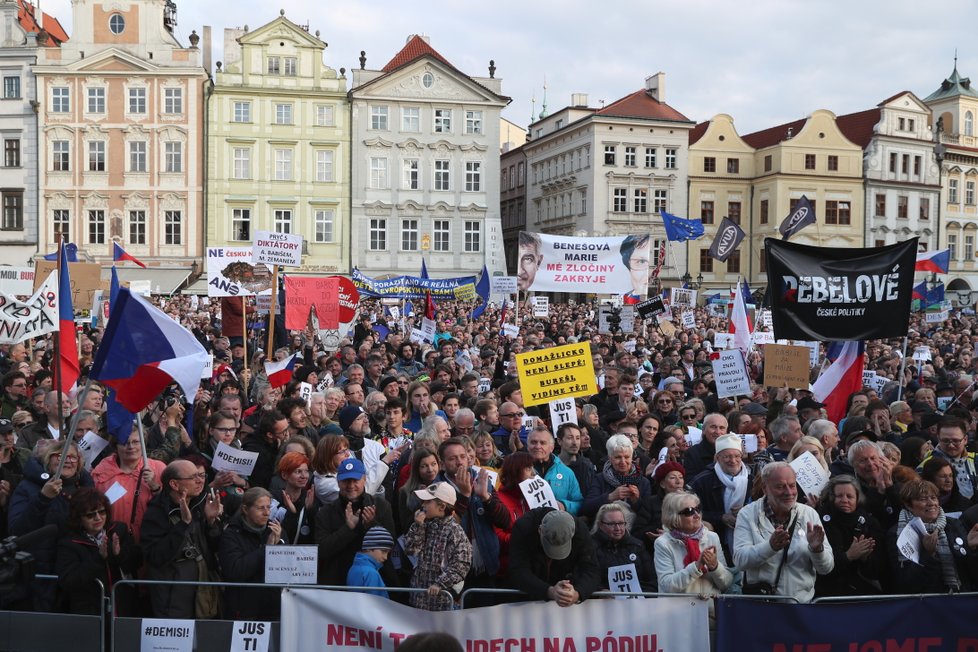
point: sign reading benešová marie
(826, 293)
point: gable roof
(261, 34)
(858, 127)
(641, 104)
(773, 135)
(28, 20)
(415, 48)
(698, 131)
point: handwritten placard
(291, 564)
(538, 493)
(730, 373)
(908, 543)
(722, 340)
(228, 458)
(304, 292)
(810, 475)
(502, 284)
(541, 306)
(91, 445)
(786, 366)
(428, 327)
(688, 320)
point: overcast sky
(764, 62)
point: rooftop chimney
(655, 86)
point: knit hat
(665, 469)
(377, 538)
(348, 415)
(728, 442)
(385, 381)
(302, 373)
(557, 534)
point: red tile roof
(642, 105)
(893, 97)
(858, 127)
(54, 30)
(773, 135)
(698, 131)
(415, 48)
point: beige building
(120, 122)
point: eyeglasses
(665, 402)
(513, 414)
(70, 458)
(613, 524)
(195, 476)
(232, 429)
(689, 416)
(690, 511)
(952, 441)
(96, 513)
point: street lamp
(688, 281)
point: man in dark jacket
(724, 488)
(273, 429)
(701, 455)
(551, 557)
(341, 525)
(181, 529)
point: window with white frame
(443, 174)
(11, 88)
(241, 224)
(969, 247)
(969, 124)
(291, 66)
(671, 158)
(60, 222)
(324, 115)
(324, 165)
(409, 235)
(283, 165)
(274, 66)
(11, 152)
(13, 210)
(283, 114)
(473, 236)
(282, 220)
(241, 112)
(323, 224)
(61, 155)
(241, 163)
(173, 156)
(172, 227)
(660, 200)
(473, 122)
(969, 192)
(379, 117)
(60, 99)
(443, 121)
(378, 234)
(630, 157)
(137, 100)
(442, 235)
(610, 153)
(96, 100)
(411, 119)
(641, 200)
(650, 157)
(620, 200)
(96, 156)
(379, 172)
(952, 191)
(583, 201)
(473, 176)
(96, 227)
(412, 173)
(173, 100)
(137, 227)
(952, 245)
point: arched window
(969, 124)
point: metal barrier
(888, 596)
(597, 594)
(30, 631)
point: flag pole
(244, 337)
(57, 366)
(271, 314)
(70, 435)
(903, 367)
(142, 438)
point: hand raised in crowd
(52, 487)
(482, 484)
(289, 505)
(368, 515)
(884, 476)
(463, 481)
(861, 548)
(708, 559)
(779, 538)
(185, 515)
(816, 537)
(274, 533)
(352, 518)
(212, 507)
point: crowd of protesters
(404, 468)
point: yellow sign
(558, 372)
(465, 292)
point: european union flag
(679, 229)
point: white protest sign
(502, 284)
(90, 446)
(228, 458)
(493, 475)
(20, 320)
(512, 331)
(250, 636)
(688, 319)
(624, 579)
(291, 564)
(166, 635)
(541, 306)
(722, 340)
(694, 436)
(562, 410)
(143, 287)
(766, 319)
(417, 335)
(813, 349)
(17, 281)
(908, 543)
(935, 317)
(762, 337)
(395, 312)
(305, 392)
(273, 248)
(749, 442)
(810, 475)
(263, 302)
(630, 346)
(485, 384)
(115, 492)
(428, 327)
(538, 493)
(730, 374)
(683, 298)
(208, 371)
(921, 353)
(325, 382)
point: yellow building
(278, 144)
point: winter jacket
(860, 577)
(264, 469)
(597, 495)
(564, 483)
(107, 473)
(241, 553)
(479, 519)
(710, 490)
(79, 564)
(365, 571)
(927, 576)
(754, 555)
(533, 572)
(698, 457)
(648, 518)
(627, 550)
(677, 577)
(444, 555)
(338, 544)
(516, 505)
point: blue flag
(71, 253)
(482, 289)
(424, 269)
(679, 229)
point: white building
(609, 171)
(425, 172)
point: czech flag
(280, 373)
(740, 326)
(843, 377)
(68, 368)
(934, 261)
(631, 299)
(118, 253)
(144, 351)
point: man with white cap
(724, 488)
(551, 557)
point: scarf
(692, 543)
(949, 572)
(735, 488)
(616, 479)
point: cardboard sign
(538, 493)
(231, 273)
(722, 341)
(786, 366)
(228, 458)
(428, 327)
(730, 373)
(166, 635)
(86, 279)
(90, 446)
(688, 320)
(559, 372)
(250, 636)
(562, 411)
(650, 307)
(624, 579)
(303, 292)
(291, 564)
(541, 306)
(283, 249)
(810, 475)
(683, 298)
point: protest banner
(786, 366)
(20, 320)
(554, 263)
(166, 635)
(810, 475)
(228, 458)
(410, 287)
(465, 292)
(143, 287)
(303, 292)
(722, 340)
(730, 373)
(350, 622)
(683, 298)
(921, 353)
(231, 273)
(935, 317)
(86, 280)
(502, 284)
(541, 306)
(558, 372)
(17, 281)
(562, 410)
(759, 338)
(291, 564)
(827, 293)
(250, 636)
(271, 248)
(650, 307)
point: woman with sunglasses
(664, 406)
(688, 416)
(94, 548)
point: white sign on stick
(722, 340)
(921, 353)
(541, 306)
(624, 579)
(563, 410)
(810, 475)
(90, 446)
(166, 635)
(502, 284)
(228, 458)
(291, 564)
(730, 374)
(689, 320)
(693, 436)
(273, 248)
(250, 636)
(538, 493)
(683, 298)
(428, 327)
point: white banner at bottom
(347, 622)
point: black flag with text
(728, 238)
(801, 216)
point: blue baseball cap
(351, 469)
